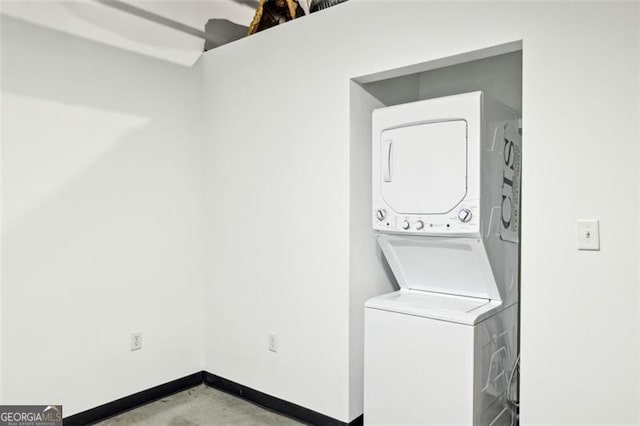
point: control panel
(465, 218)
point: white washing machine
(446, 191)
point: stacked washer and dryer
(446, 191)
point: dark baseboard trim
(127, 403)
(358, 421)
(272, 403)
(146, 396)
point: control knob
(405, 224)
(464, 215)
(419, 225)
(381, 214)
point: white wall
(369, 274)
(279, 199)
(580, 150)
(498, 76)
(102, 180)
(398, 90)
(278, 254)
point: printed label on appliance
(511, 165)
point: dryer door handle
(386, 160)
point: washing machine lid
(444, 307)
(424, 166)
(454, 266)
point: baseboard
(269, 402)
(272, 403)
(130, 402)
(358, 421)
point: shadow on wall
(102, 230)
(53, 65)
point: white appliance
(446, 191)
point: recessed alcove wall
(497, 71)
(499, 76)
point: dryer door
(424, 167)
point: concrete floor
(200, 405)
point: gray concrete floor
(202, 406)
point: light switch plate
(588, 234)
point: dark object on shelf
(223, 31)
(323, 4)
(274, 12)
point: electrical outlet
(136, 340)
(273, 342)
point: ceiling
(96, 21)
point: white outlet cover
(273, 342)
(588, 234)
(136, 341)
